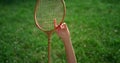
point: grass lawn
(94, 26)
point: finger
(61, 26)
(55, 23)
(65, 25)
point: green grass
(94, 26)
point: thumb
(55, 23)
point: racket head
(46, 11)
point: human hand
(62, 30)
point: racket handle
(49, 48)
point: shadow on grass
(9, 2)
(111, 1)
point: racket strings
(48, 10)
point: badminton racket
(46, 11)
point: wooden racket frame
(49, 33)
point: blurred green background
(94, 26)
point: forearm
(69, 51)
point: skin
(63, 32)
